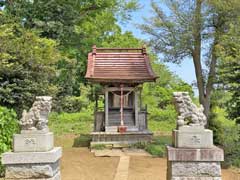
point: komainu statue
(189, 113)
(37, 117)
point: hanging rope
(113, 92)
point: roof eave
(105, 80)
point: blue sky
(186, 69)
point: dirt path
(81, 164)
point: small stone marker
(34, 156)
(193, 155)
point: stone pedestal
(33, 158)
(33, 142)
(194, 163)
(192, 137)
(193, 155)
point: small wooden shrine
(121, 72)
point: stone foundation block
(195, 178)
(122, 139)
(194, 164)
(33, 142)
(195, 169)
(30, 171)
(214, 154)
(193, 138)
(33, 165)
(57, 176)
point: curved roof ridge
(125, 65)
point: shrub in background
(158, 146)
(82, 141)
(72, 104)
(227, 136)
(8, 126)
(168, 114)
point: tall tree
(76, 25)
(191, 29)
(229, 69)
(26, 65)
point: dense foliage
(26, 66)
(229, 69)
(226, 135)
(8, 126)
(158, 98)
(76, 25)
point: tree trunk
(203, 89)
(196, 54)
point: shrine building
(121, 73)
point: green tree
(77, 25)
(26, 65)
(192, 29)
(158, 95)
(229, 69)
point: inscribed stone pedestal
(192, 137)
(33, 142)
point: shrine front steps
(118, 140)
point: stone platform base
(57, 176)
(196, 178)
(33, 142)
(33, 165)
(115, 138)
(194, 164)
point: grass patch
(71, 123)
(98, 146)
(82, 141)
(139, 145)
(158, 146)
(161, 126)
(156, 150)
(82, 123)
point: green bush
(226, 135)
(139, 145)
(82, 141)
(158, 146)
(98, 146)
(156, 150)
(167, 114)
(71, 104)
(161, 126)
(230, 141)
(8, 126)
